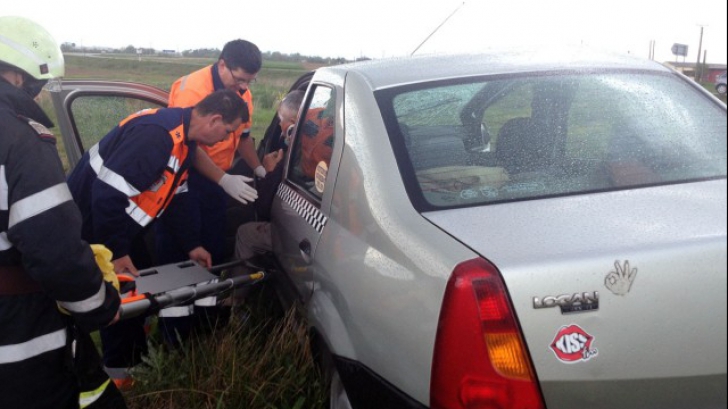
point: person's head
(217, 116)
(29, 56)
(288, 111)
(239, 64)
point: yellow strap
(87, 398)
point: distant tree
(202, 53)
(130, 49)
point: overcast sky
(385, 28)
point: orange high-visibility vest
(151, 202)
(187, 91)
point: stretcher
(176, 284)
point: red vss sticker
(572, 344)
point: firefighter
(44, 263)
(235, 69)
(133, 175)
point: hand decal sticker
(620, 280)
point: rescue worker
(133, 175)
(44, 263)
(235, 69)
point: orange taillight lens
(480, 359)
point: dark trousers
(208, 206)
(125, 342)
(54, 378)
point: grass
(262, 359)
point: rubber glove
(260, 171)
(236, 186)
(103, 260)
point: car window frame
(296, 140)
(64, 95)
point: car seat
(516, 148)
(438, 151)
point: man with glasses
(235, 69)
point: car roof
(389, 72)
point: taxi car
(508, 230)
(537, 229)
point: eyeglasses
(241, 81)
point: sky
(388, 28)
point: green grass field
(274, 79)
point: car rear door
(300, 208)
(87, 110)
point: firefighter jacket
(130, 177)
(187, 91)
(43, 260)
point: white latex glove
(236, 186)
(260, 171)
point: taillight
(480, 358)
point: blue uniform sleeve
(138, 160)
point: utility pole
(698, 68)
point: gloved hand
(237, 188)
(260, 171)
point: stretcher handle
(140, 306)
(213, 269)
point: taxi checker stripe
(34, 347)
(303, 207)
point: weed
(260, 359)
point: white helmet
(29, 47)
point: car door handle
(305, 247)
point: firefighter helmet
(27, 46)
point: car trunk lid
(620, 295)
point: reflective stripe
(183, 82)
(139, 215)
(28, 53)
(3, 189)
(4, 242)
(38, 203)
(34, 347)
(117, 373)
(89, 304)
(206, 302)
(87, 398)
(173, 163)
(177, 312)
(182, 188)
(107, 175)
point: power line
(438, 27)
